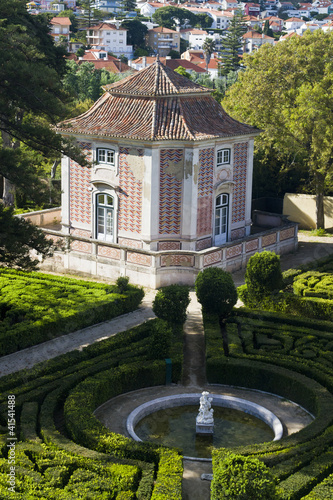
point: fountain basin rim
(193, 399)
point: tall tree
(208, 48)
(171, 17)
(136, 32)
(31, 93)
(128, 5)
(287, 90)
(232, 44)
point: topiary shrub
(263, 277)
(216, 291)
(122, 284)
(159, 347)
(171, 302)
(243, 478)
(217, 294)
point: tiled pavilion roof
(156, 104)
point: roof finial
(157, 57)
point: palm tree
(208, 48)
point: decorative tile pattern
(202, 244)
(139, 258)
(112, 253)
(285, 234)
(170, 192)
(130, 243)
(81, 246)
(212, 258)
(251, 245)
(205, 191)
(130, 196)
(239, 177)
(177, 260)
(234, 251)
(79, 189)
(81, 232)
(169, 245)
(237, 234)
(269, 239)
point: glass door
(105, 217)
(221, 219)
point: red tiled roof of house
(255, 34)
(105, 26)
(162, 29)
(63, 21)
(156, 104)
(113, 65)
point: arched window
(105, 217)
(221, 218)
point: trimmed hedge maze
(62, 451)
(293, 358)
(36, 307)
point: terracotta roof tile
(156, 104)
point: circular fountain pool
(171, 421)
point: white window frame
(223, 156)
(108, 152)
(101, 188)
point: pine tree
(232, 44)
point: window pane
(100, 199)
(109, 200)
(110, 156)
(226, 156)
(101, 155)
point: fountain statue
(205, 419)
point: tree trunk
(224, 334)
(8, 193)
(8, 188)
(320, 219)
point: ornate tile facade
(237, 234)
(269, 239)
(177, 260)
(203, 244)
(205, 191)
(212, 258)
(234, 251)
(139, 258)
(251, 245)
(285, 234)
(110, 252)
(130, 243)
(170, 191)
(239, 177)
(130, 195)
(79, 189)
(169, 245)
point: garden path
(310, 248)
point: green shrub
(171, 302)
(263, 275)
(159, 347)
(216, 291)
(122, 283)
(242, 478)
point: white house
(293, 23)
(109, 36)
(254, 40)
(168, 192)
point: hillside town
(105, 39)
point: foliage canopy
(286, 90)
